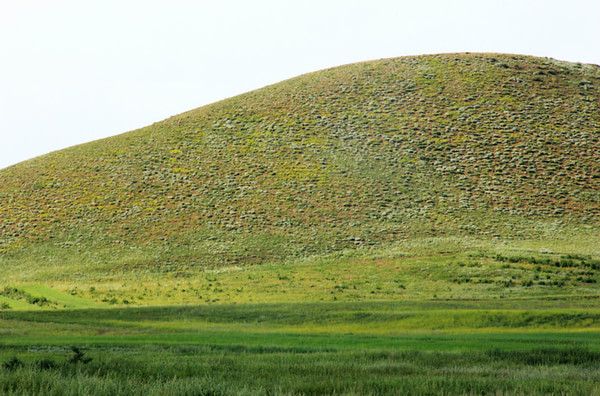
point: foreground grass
(427, 316)
(205, 370)
(317, 348)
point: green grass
(419, 225)
(400, 319)
(191, 370)
(259, 349)
(423, 316)
(413, 270)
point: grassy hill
(476, 146)
(419, 225)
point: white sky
(75, 71)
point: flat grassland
(431, 316)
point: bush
(40, 301)
(78, 356)
(46, 364)
(12, 364)
(18, 294)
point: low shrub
(12, 364)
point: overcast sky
(75, 71)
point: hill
(484, 146)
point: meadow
(430, 316)
(318, 348)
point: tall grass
(185, 372)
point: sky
(73, 71)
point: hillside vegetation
(365, 155)
(420, 225)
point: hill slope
(365, 154)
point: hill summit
(496, 145)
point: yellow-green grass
(382, 320)
(413, 270)
(8, 303)
(64, 300)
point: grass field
(316, 348)
(398, 320)
(413, 270)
